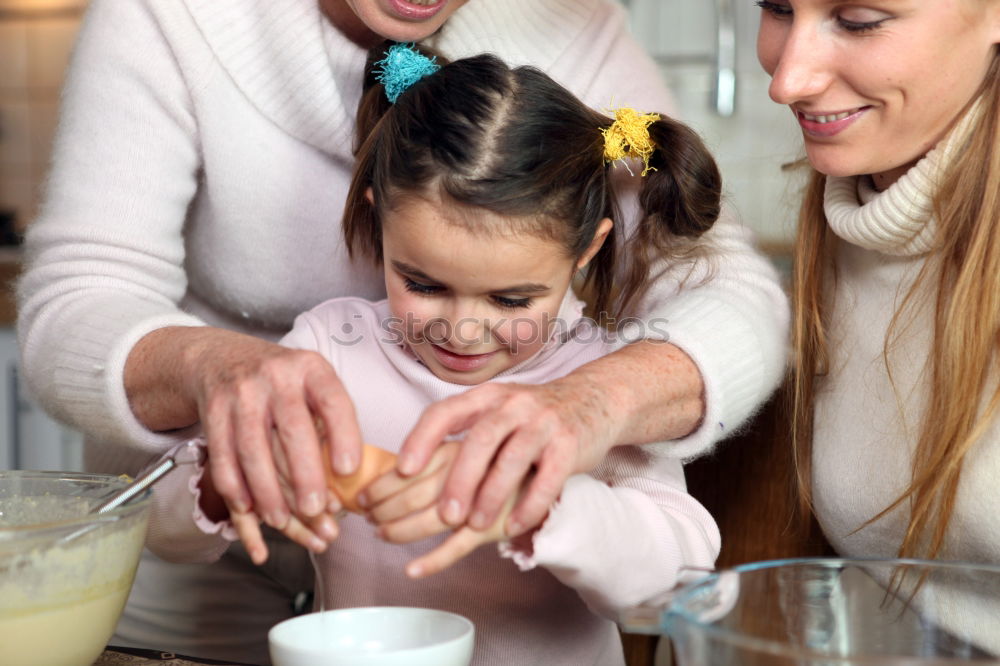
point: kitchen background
(705, 48)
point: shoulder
(337, 312)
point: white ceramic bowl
(376, 636)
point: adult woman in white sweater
(897, 281)
(204, 151)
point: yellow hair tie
(628, 136)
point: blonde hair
(966, 273)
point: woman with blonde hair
(897, 277)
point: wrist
(649, 391)
(153, 379)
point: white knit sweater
(866, 423)
(199, 172)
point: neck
(348, 24)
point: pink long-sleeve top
(616, 537)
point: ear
(603, 229)
(370, 195)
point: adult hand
(251, 388)
(511, 431)
(313, 533)
(242, 388)
(648, 391)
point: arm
(105, 256)
(104, 344)
(619, 537)
(625, 536)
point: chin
(829, 163)
(408, 32)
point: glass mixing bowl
(64, 573)
(832, 612)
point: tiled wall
(34, 51)
(751, 145)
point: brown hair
(513, 141)
(964, 269)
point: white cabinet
(29, 438)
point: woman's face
(368, 22)
(875, 84)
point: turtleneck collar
(899, 220)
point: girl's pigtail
(362, 230)
(680, 196)
(390, 70)
(374, 102)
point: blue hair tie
(401, 67)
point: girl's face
(368, 22)
(470, 305)
(875, 84)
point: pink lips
(461, 362)
(412, 12)
(818, 129)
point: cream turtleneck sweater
(866, 422)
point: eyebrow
(526, 288)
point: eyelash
(512, 303)
(501, 301)
(781, 12)
(419, 287)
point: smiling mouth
(823, 119)
(461, 362)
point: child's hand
(394, 499)
(462, 542)
(406, 510)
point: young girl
(897, 272)
(482, 191)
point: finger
(413, 497)
(252, 433)
(300, 533)
(247, 526)
(542, 490)
(474, 459)
(506, 475)
(414, 527)
(329, 399)
(299, 443)
(454, 548)
(227, 478)
(447, 417)
(323, 526)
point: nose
(801, 65)
(468, 329)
